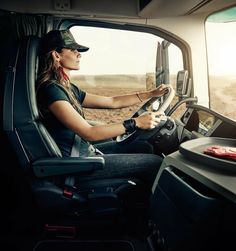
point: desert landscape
(222, 93)
(111, 85)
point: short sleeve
(49, 93)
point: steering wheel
(151, 103)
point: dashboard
(196, 122)
(199, 121)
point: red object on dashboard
(221, 151)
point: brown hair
(50, 71)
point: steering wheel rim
(144, 108)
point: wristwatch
(129, 125)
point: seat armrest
(67, 165)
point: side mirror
(183, 84)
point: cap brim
(79, 47)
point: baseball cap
(60, 39)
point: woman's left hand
(159, 91)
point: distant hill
(119, 80)
(110, 80)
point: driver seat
(50, 175)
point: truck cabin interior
(192, 203)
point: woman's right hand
(149, 120)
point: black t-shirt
(46, 95)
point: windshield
(221, 49)
(121, 62)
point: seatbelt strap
(70, 180)
(76, 146)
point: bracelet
(137, 94)
(129, 125)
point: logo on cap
(67, 37)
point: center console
(193, 204)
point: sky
(221, 40)
(121, 52)
(134, 53)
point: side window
(221, 48)
(119, 62)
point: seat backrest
(28, 136)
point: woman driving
(61, 106)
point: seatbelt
(75, 151)
(76, 146)
(70, 180)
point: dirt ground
(110, 115)
(222, 95)
(116, 115)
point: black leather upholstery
(23, 124)
(23, 121)
(49, 172)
